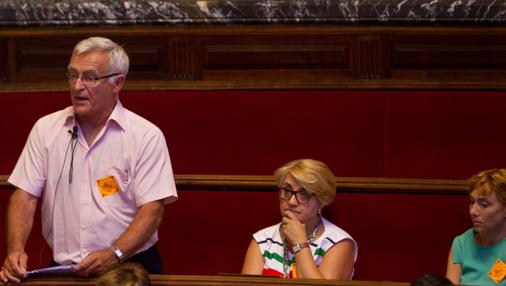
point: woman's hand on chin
(292, 229)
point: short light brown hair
(125, 274)
(313, 175)
(489, 181)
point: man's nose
(78, 83)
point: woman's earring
(319, 212)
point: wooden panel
(278, 56)
(276, 53)
(448, 52)
(268, 58)
(446, 56)
(38, 59)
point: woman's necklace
(286, 267)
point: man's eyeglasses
(301, 196)
(87, 79)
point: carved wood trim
(302, 56)
(11, 62)
(183, 62)
(344, 184)
(369, 58)
(4, 58)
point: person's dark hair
(432, 280)
(125, 274)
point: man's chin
(80, 110)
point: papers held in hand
(60, 270)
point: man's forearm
(145, 223)
(20, 214)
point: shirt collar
(118, 116)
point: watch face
(117, 253)
(297, 247)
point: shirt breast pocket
(115, 187)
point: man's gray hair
(118, 58)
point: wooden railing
(344, 184)
(216, 280)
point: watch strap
(299, 246)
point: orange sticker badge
(498, 271)
(294, 270)
(107, 186)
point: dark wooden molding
(245, 280)
(344, 184)
(225, 279)
(269, 57)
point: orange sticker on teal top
(498, 271)
(107, 186)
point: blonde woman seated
(303, 244)
(478, 256)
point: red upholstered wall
(399, 236)
(426, 134)
(358, 133)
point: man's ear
(119, 81)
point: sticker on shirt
(498, 271)
(108, 186)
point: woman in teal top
(478, 256)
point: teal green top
(475, 260)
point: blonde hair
(313, 175)
(126, 274)
(489, 181)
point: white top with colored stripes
(271, 246)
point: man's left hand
(96, 263)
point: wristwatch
(299, 246)
(117, 252)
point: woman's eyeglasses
(301, 196)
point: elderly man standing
(103, 173)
